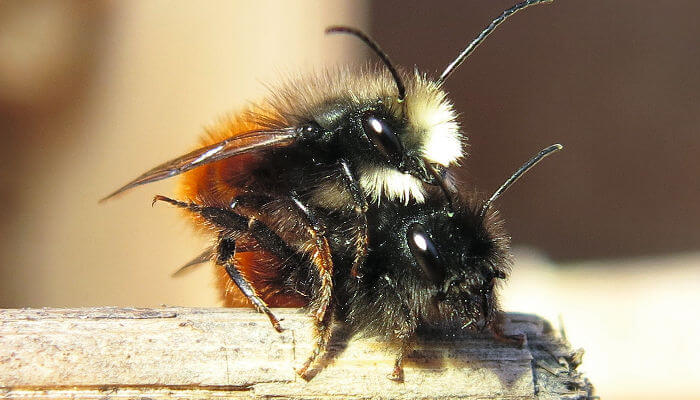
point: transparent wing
(244, 143)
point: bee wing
(244, 143)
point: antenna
(520, 172)
(375, 47)
(486, 32)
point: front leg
(496, 329)
(404, 333)
(405, 339)
(360, 210)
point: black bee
(431, 264)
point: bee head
(393, 126)
(458, 256)
(415, 134)
(434, 263)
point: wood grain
(115, 353)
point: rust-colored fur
(216, 184)
(256, 267)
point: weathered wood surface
(104, 353)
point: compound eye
(425, 253)
(383, 138)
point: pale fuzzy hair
(430, 114)
(393, 184)
(432, 121)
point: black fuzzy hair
(394, 295)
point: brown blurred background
(616, 82)
(94, 93)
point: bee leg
(403, 334)
(405, 338)
(316, 244)
(230, 222)
(320, 254)
(360, 208)
(397, 374)
(226, 254)
(322, 335)
(496, 328)
(321, 258)
(269, 240)
(493, 319)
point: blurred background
(606, 232)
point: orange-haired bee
(298, 190)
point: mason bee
(429, 264)
(299, 190)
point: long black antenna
(522, 170)
(487, 31)
(375, 47)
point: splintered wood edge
(98, 353)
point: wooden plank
(169, 353)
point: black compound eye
(383, 138)
(425, 253)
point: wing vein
(240, 144)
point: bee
(431, 264)
(434, 264)
(289, 185)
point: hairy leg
(360, 209)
